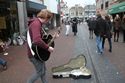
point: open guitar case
(75, 68)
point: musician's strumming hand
(50, 49)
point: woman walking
(117, 24)
(107, 33)
(67, 23)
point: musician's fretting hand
(50, 49)
(57, 35)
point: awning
(32, 6)
(118, 8)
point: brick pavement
(19, 67)
(106, 69)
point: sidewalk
(117, 56)
(20, 68)
(108, 67)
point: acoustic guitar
(43, 54)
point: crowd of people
(106, 28)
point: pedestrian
(3, 63)
(99, 30)
(107, 33)
(36, 32)
(67, 24)
(74, 26)
(123, 27)
(91, 25)
(117, 26)
(3, 47)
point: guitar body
(40, 53)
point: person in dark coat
(91, 25)
(117, 26)
(107, 33)
(99, 30)
(123, 27)
(74, 26)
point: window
(101, 6)
(80, 13)
(106, 4)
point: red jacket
(35, 31)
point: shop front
(117, 9)
(33, 8)
(8, 19)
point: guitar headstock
(56, 34)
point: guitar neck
(54, 37)
(51, 41)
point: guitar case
(75, 68)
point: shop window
(106, 4)
(101, 6)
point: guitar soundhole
(47, 39)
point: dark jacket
(74, 24)
(117, 24)
(92, 24)
(67, 22)
(100, 25)
(107, 29)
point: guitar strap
(29, 42)
(44, 32)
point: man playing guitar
(35, 37)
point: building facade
(89, 11)
(76, 11)
(54, 7)
(111, 7)
(64, 10)
(14, 15)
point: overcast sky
(71, 3)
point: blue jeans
(2, 61)
(99, 44)
(40, 71)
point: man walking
(99, 30)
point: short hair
(99, 15)
(45, 14)
(107, 17)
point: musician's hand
(57, 35)
(50, 49)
